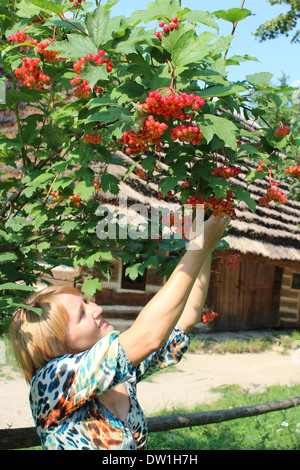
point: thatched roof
(272, 233)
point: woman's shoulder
(64, 366)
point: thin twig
(234, 27)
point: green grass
(281, 340)
(278, 430)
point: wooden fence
(23, 438)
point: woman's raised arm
(193, 309)
(158, 318)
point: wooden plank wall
(247, 298)
(289, 306)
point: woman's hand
(206, 235)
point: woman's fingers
(206, 235)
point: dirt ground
(188, 383)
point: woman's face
(86, 325)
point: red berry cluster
(75, 199)
(208, 315)
(260, 167)
(160, 195)
(56, 195)
(282, 130)
(220, 206)
(226, 172)
(231, 260)
(185, 133)
(166, 27)
(152, 130)
(31, 75)
(172, 104)
(92, 139)
(83, 90)
(19, 37)
(150, 134)
(50, 56)
(141, 173)
(96, 185)
(273, 194)
(294, 170)
(77, 3)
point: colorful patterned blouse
(63, 395)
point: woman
(83, 373)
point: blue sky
(275, 56)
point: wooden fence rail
(21, 438)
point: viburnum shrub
(89, 89)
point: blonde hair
(39, 337)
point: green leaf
(203, 17)
(46, 5)
(69, 225)
(259, 79)
(92, 73)
(97, 23)
(109, 183)
(243, 195)
(16, 223)
(190, 49)
(14, 286)
(223, 90)
(224, 129)
(75, 46)
(168, 184)
(164, 8)
(36, 310)
(130, 169)
(110, 114)
(233, 14)
(84, 189)
(126, 44)
(90, 287)
(5, 257)
(132, 89)
(134, 271)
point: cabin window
(138, 284)
(296, 281)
